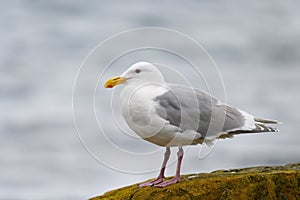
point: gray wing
(192, 109)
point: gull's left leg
(176, 178)
(161, 175)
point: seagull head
(138, 73)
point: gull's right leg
(161, 175)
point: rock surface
(278, 182)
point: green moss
(280, 182)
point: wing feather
(192, 109)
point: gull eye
(137, 71)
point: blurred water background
(255, 44)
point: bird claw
(151, 183)
(167, 183)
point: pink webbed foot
(167, 183)
(151, 183)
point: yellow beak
(112, 82)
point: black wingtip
(263, 128)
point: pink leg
(161, 175)
(176, 178)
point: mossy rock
(279, 182)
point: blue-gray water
(255, 44)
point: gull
(172, 115)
